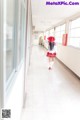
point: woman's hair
(51, 45)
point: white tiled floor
(51, 95)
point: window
(47, 34)
(59, 31)
(10, 38)
(52, 32)
(15, 37)
(74, 33)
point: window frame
(11, 80)
(70, 33)
(59, 31)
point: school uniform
(51, 53)
(51, 49)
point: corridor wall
(70, 56)
(12, 88)
(17, 97)
(28, 47)
(15, 91)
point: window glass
(58, 28)
(62, 32)
(58, 34)
(74, 42)
(10, 38)
(75, 23)
(47, 34)
(63, 27)
(58, 39)
(52, 32)
(59, 31)
(74, 33)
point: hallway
(28, 90)
(51, 95)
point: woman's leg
(51, 62)
(53, 59)
(50, 59)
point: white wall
(2, 54)
(29, 40)
(15, 100)
(70, 56)
(35, 39)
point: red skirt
(51, 54)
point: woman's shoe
(49, 68)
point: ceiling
(44, 16)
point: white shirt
(53, 50)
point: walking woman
(51, 53)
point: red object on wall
(64, 39)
